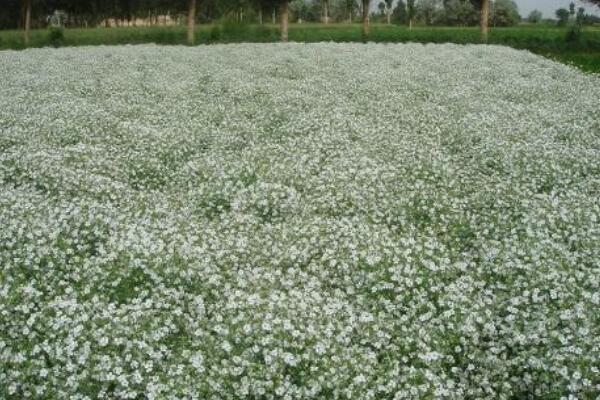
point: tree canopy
(80, 13)
(93, 12)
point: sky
(548, 7)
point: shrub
(574, 38)
(56, 36)
(215, 34)
(233, 30)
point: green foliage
(540, 39)
(303, 10)
(56, 36)
(505, 13)
(231, 31)
(587, 61)
(562, 14)
(430, 11)
(580, 19)
(460, 13)
(214, 34)
(573, 36)
(535, 17)
(400, 14)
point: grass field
(344, 221)
(544, 40)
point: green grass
(544, 40)
(586, 61)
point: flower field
(298, 221)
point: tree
(428, 9)
(483, 21)
(589, 19)
(535, 16)
(410, 11)
(351, 8)
(505, 13)
(389, 9)
(326, 11)
(385, 7)
(400, 15)
(191, 22)
(258, 6)
(580, 16)
(341, 10)
(366, 4)
(347, 8)
(284, 15)
(459, 12)
(562, 14)
(303, 10)
(26, 20)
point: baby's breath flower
(297, 221)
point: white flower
(197, 361)
(297, 221)
(290, 359)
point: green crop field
(583, 52)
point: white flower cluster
(298, 221)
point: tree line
(564, 15)
(28, 14)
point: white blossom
(298, 221)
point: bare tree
(191, 22)
(485, 12)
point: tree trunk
(273, 17)
(326, 11)
(191, 22)
(284, 21)
(365, 17)
(485, 11)
(389, 17)
(27, 22)
(260, 18)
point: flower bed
(298, 221)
